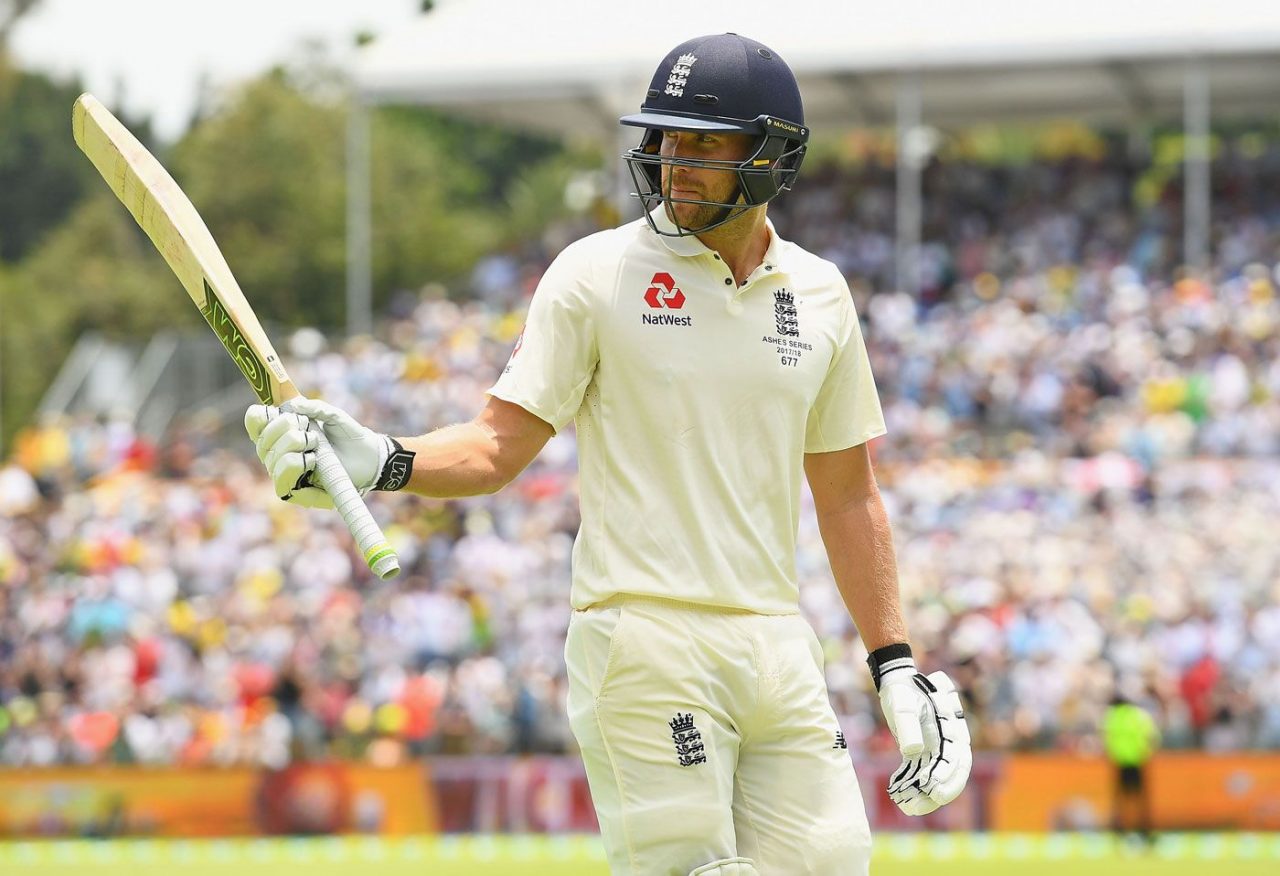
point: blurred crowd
(1081, 469)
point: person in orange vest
(1131, 737)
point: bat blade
(168, 217)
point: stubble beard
(694, 217)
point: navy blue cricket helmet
(721, 83)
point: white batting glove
(923, 785)
(286, 442)
(927, 721)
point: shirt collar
(777, 246)
(690, 245)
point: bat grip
(346, 499)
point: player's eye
(701, 139)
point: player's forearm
(456, 461)
(859, 544)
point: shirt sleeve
(846, 412)
(556, 354)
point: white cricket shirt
(695, 401)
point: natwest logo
(662, 292)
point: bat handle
(346, 498)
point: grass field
(896, 855)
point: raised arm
(481, 456)
(466, 459)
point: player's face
(697, 183)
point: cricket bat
(171, 221)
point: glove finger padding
(288, 469)
(951, 767)
(256, 418)
(294, 442)
(908, 713)
(285, 443)
(916, 804)
(909, 774)
(310, 497)
(286, 448)
(279, 425)
(905, 789)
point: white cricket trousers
(708, 736)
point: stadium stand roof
(574, 66)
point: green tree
(497, 157)
(265, 173)
(433, 213)
(268, 174)
(95, 272)
(41, 172)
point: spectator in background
(1131, 738)
(1197, 686)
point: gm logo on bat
(225, 328)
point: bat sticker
(225, 328)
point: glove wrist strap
(397, 469)
(888, 659)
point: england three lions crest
(784, 314)
(689, 748)
(679, 76)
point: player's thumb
(906, 722)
